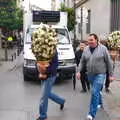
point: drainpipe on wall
(81, 24)
(74, 41)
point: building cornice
(78, 4)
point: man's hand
(78, 75)
(42, 76)
(111, 78)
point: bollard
(15, 55)
(6, 51)
(12, 58)
(74, 81)
(18, 51)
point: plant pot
(41, 66)
(113, 54)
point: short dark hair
(94, 35)
(82, 41)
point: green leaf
(11, 17)
(71, 16)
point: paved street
(113, 98)
(42, 26)
(19, 100)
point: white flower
(44, 42)
(114, 40)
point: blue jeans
(46, 86)
(96, 82)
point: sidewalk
(112, 99)
(9, 65)
(12, 53)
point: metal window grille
(115, 15)
(88, 24)
(79, 27)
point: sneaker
(100, 107)
(89, 117)
(41, 118)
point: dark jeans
(84, 81)
(107, 82)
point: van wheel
(25, 78)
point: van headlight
(28, 62)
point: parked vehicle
(65, 50)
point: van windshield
(62, 34)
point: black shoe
(107, 90)
(38, 118)
(62, 106)
(88, 89)
(83, 91)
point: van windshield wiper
(60, 43)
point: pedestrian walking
(46, 87)
(10, 41)
(84, 81)
(97, 61)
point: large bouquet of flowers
(114, 44)
(114, 40)
(44, 42)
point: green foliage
(11, 17)
(71, 16)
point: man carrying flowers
(114, 45)
(44, 43)
(46, 87)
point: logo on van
(63, 48)
(60, 53)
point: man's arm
(108, 61)
(82, 63)
(53, 65)
(80, 67)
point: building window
(88, 24)
(79, 27)
(115, 15)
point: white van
(65, 50)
